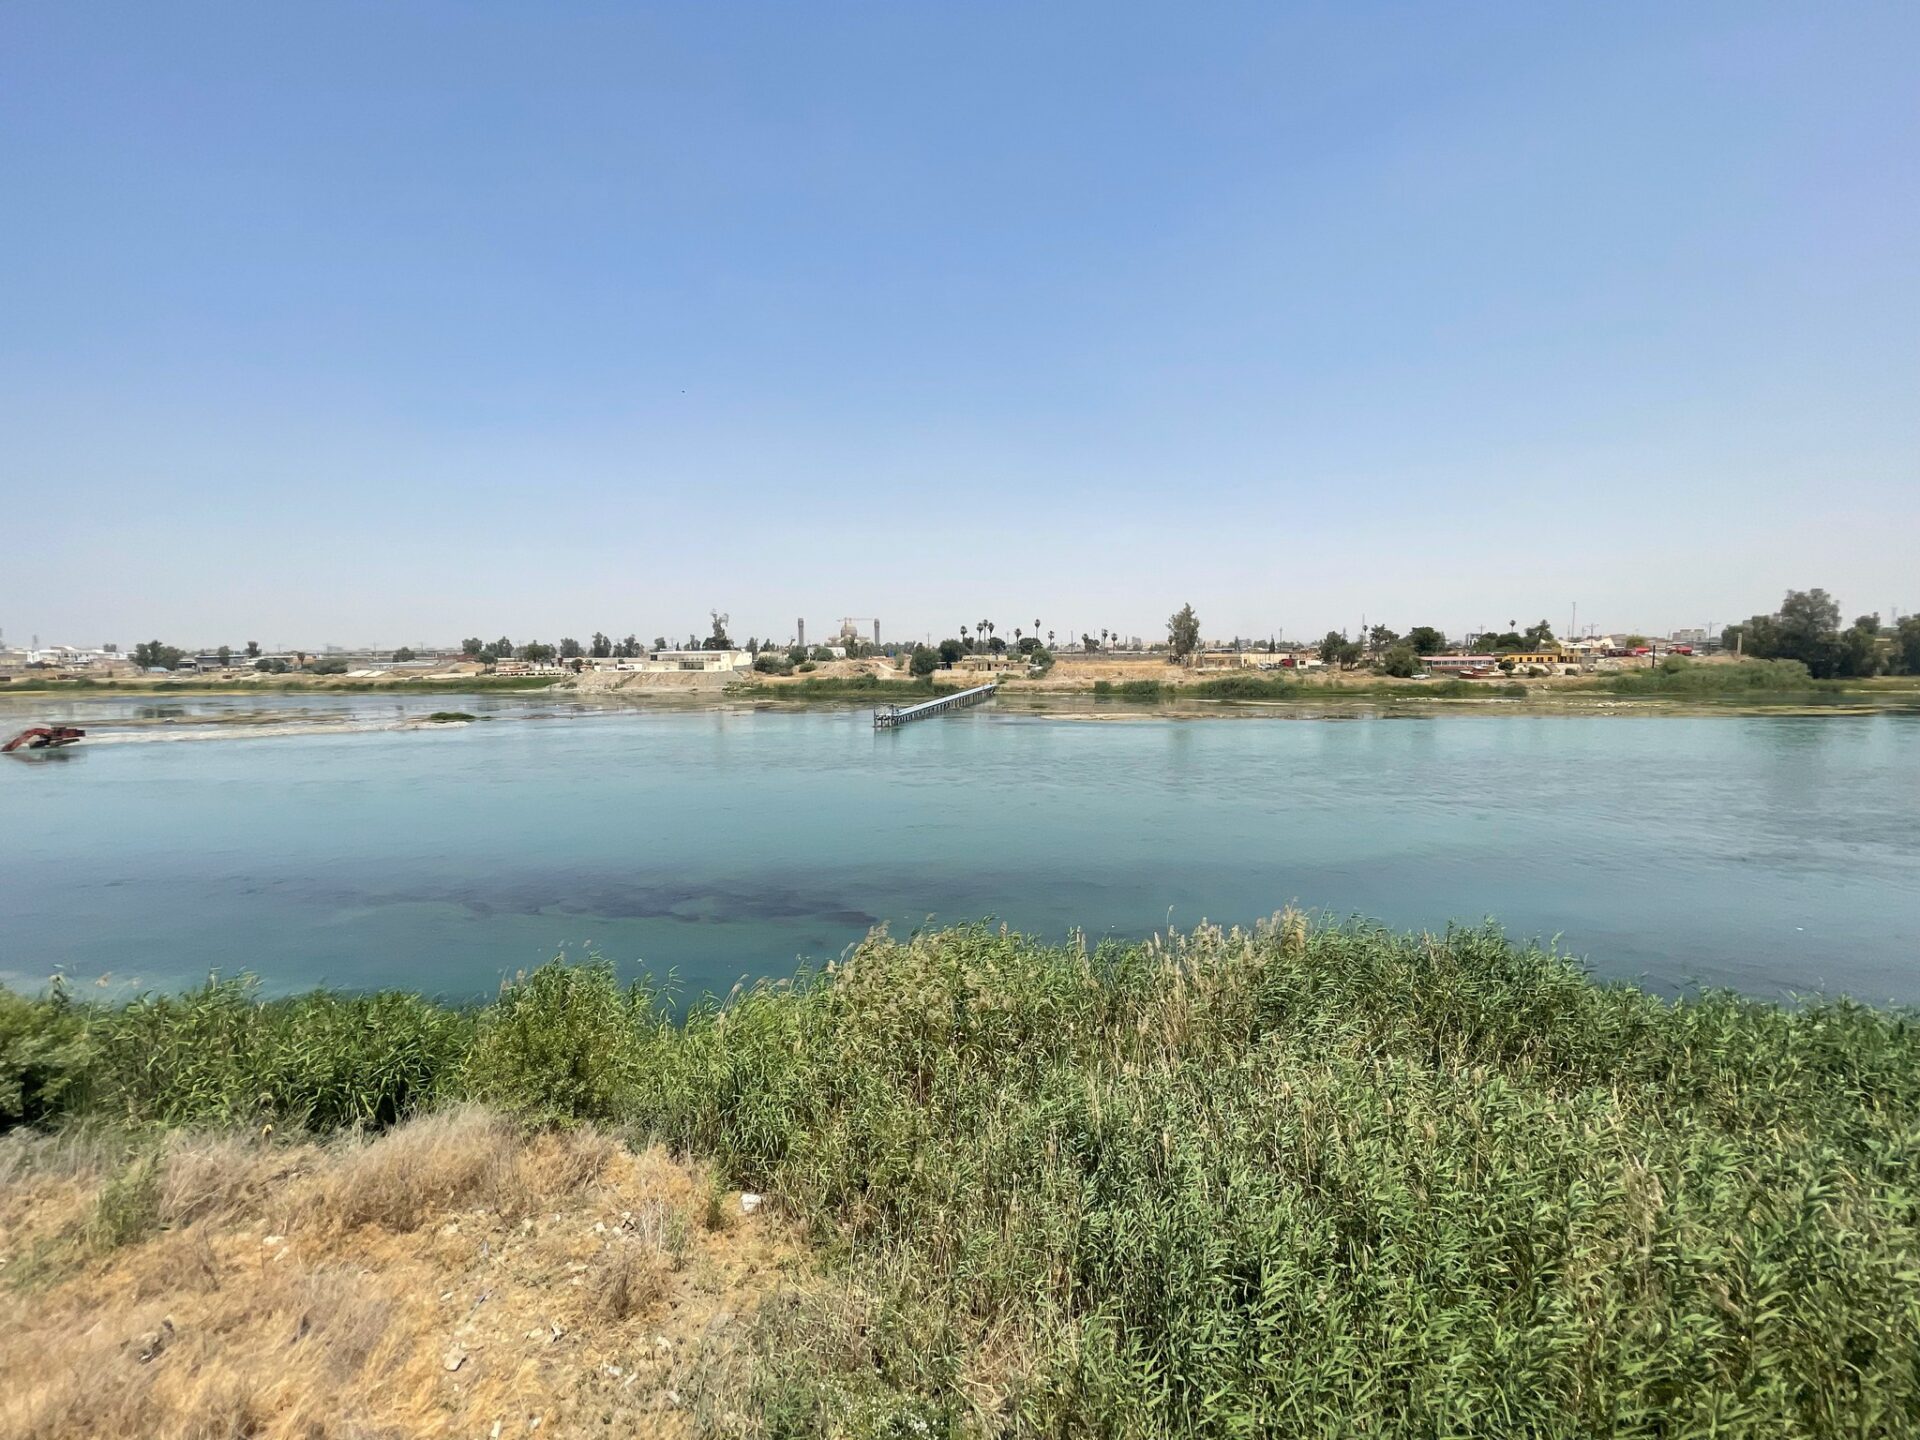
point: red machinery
(43, 737)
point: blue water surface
(1777, 854)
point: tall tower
(876, 634)
(800, 627)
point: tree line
(1807, 628)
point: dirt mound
(454, 1277)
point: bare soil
(454, 1277)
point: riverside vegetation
(1323, 1181)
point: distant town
(1807, 629)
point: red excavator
(43, 737)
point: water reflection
(1775, 854)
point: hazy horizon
(366, 325)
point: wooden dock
(895, 716)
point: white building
(698, 662)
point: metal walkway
(893, 716)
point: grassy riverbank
(1275, 688)
(1306, 1182)
(850, 687)
(282, 685)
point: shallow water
(330, 839)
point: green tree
(1857, 652)
(1332, 645)
(1906, 645)
(1539, 637)
(403, 654)
(253, 649)
(1400, 661)
(950, 652)
(226, 655)
(569, 648)
(1183, 633)
(718, 640)
(1425, 640)
(329, 665)
(1806, 628)
(925, 661)
(602, 647)
(1380, 639)
(503, 647)
(472, 646)
(271, 665)
(536, 652)
(152, 655)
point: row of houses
(57, 657)
(654, 662)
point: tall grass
(1279, 687)
(1131, 690)
(844, 687)
(1297, 1181)
(1676, 675)
(221, 1055)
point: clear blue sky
(375, 322)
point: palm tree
(1103, 638)
(963, 637)
(1049, 639)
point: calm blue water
(1774, 853)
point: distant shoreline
(1189, 701)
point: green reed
(1299, 1181)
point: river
(333, 840)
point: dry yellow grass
(454, 1277)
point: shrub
(1244, 687)
(1332, 1182)
(128, 1206)
(561, 1043)
(44, 1057)
(1130, 689)
(221, 1055)
(1293, 1181)
(1677, 675)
